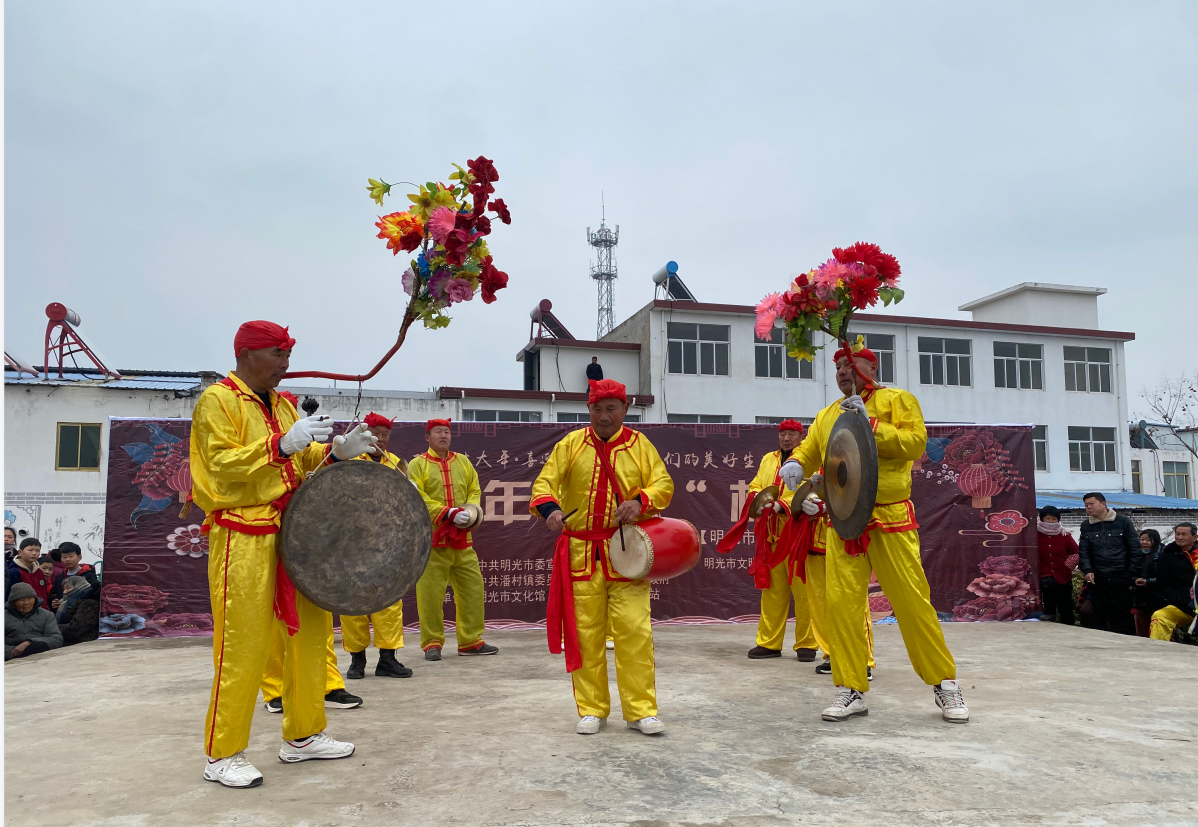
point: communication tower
(604, 273)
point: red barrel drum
(657, 549)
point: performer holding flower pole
(596, 480)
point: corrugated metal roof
(1115, 499)
(147, 382)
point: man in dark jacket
(1110, 557)
(1174, 577)
(28, 628)
(594, 370)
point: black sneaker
(805, 655)
(824, 668)
(485, 649)
(761, 653)
(389, 667)
(869, 673)
(432, 653)
(340, 699)
(274, 705)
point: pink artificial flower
(441, 223)
(767, 312)
(827, 275)
(458, 290)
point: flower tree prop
(449, 225)
(825, 298)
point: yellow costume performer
(817, 592)
(448, 481)
(335, 695)
(576, 480)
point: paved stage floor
(1068, 726)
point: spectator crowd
(50, 600)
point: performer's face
(607, 417)
(384, 435)
(847, 379)
(789, 440)
(263, 369)
(1183, 536)
(438, 439)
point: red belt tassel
(561, 624)
(285, 609)
(858, 547)
(449, 535)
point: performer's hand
(816, 479)
(461, 518)
(792, 474)
(357, 442)
(1090, 577)
(304, 432)
(852, 403)
(778, 507)
(810, 507)
(628, 511)
(556, 521)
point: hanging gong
(355, 538)
(851, 474)
(765, 498)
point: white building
(1161, 461)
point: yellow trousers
(272, 678)
(775, 608)
(388, 629)
(817, 602)
(894, 558)
(627, 605)
(241, 582)
(458, 568)
(1165, 620)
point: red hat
(858, 350)
(606, 389)
(790, 425)
(374, 420)
(433, 423)
(261, 334)
(290, 397)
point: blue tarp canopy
(1115, 499)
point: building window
(586, 417)
(1088, 369)
(882, 344)
(707, 419)
(944, 361)
(698, 348)
(1091, 449)
(473, 415)
(78, 447)
(777, 420)
(773, 361)
(1137, 483)
(1018, 365)
(1177, 479)
(1040, 446)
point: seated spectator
(1145, 600)
(78, 615)
(25, 569)
(1173, 581)
(72, 566)
(28, 628)
(1058, 558)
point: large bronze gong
(355, 537)
(851, 474)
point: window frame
(1013, 370)
(1040, 445)
(1137, 477)
(1087, 370)
(524, 416)
(1110, 457)
(1173, 476)
(884, 364)
(774, 352)
(942, 365)
(79, 446)
(699, 419)
(717, 353)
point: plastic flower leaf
(377, 190)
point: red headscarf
(433, 423)
(260, 334)
(374, 420)
(606, 389)
(790, 425)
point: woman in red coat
(1058, 559)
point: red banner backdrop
(971, 492)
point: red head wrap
(606, 389)
(374, 420)
(858, 350)
(260, 334)
(433, 423)
(290, 397)
(790, 425)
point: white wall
(563, 369)
(1050, 308)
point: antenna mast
(604, 272)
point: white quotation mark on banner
(692, 485)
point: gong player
(447, 482)
(595, 480)
(249, 453)
(890, 545)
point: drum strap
(561, 624)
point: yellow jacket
(389, 459)
(570, 479)
(237, 474)
(901, 435)
(444, 483)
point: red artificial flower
(482, 225)
(483, 169)
(864, 291)
(456, 247)
(501, 211)
(787, 306)
(491, 279)
(885, 265)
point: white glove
(854, 402)
(461, 518)
(357, 442)
(792, 474)
(810, 507)
(779, 507)
(304, 432)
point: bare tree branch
(1175, 403)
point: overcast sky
(173, 169)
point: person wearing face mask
(1058, 559)
(1144, 599)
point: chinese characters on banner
(972, 494)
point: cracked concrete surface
(1069, 726)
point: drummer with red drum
(596, 480)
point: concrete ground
(1068, 726)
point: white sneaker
(848, 703)
(234, 771)
(650, 726)
(317, 746)
(951, 702)
(611, 644)
(590, 724)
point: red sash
(449, 535)
(560, 621)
